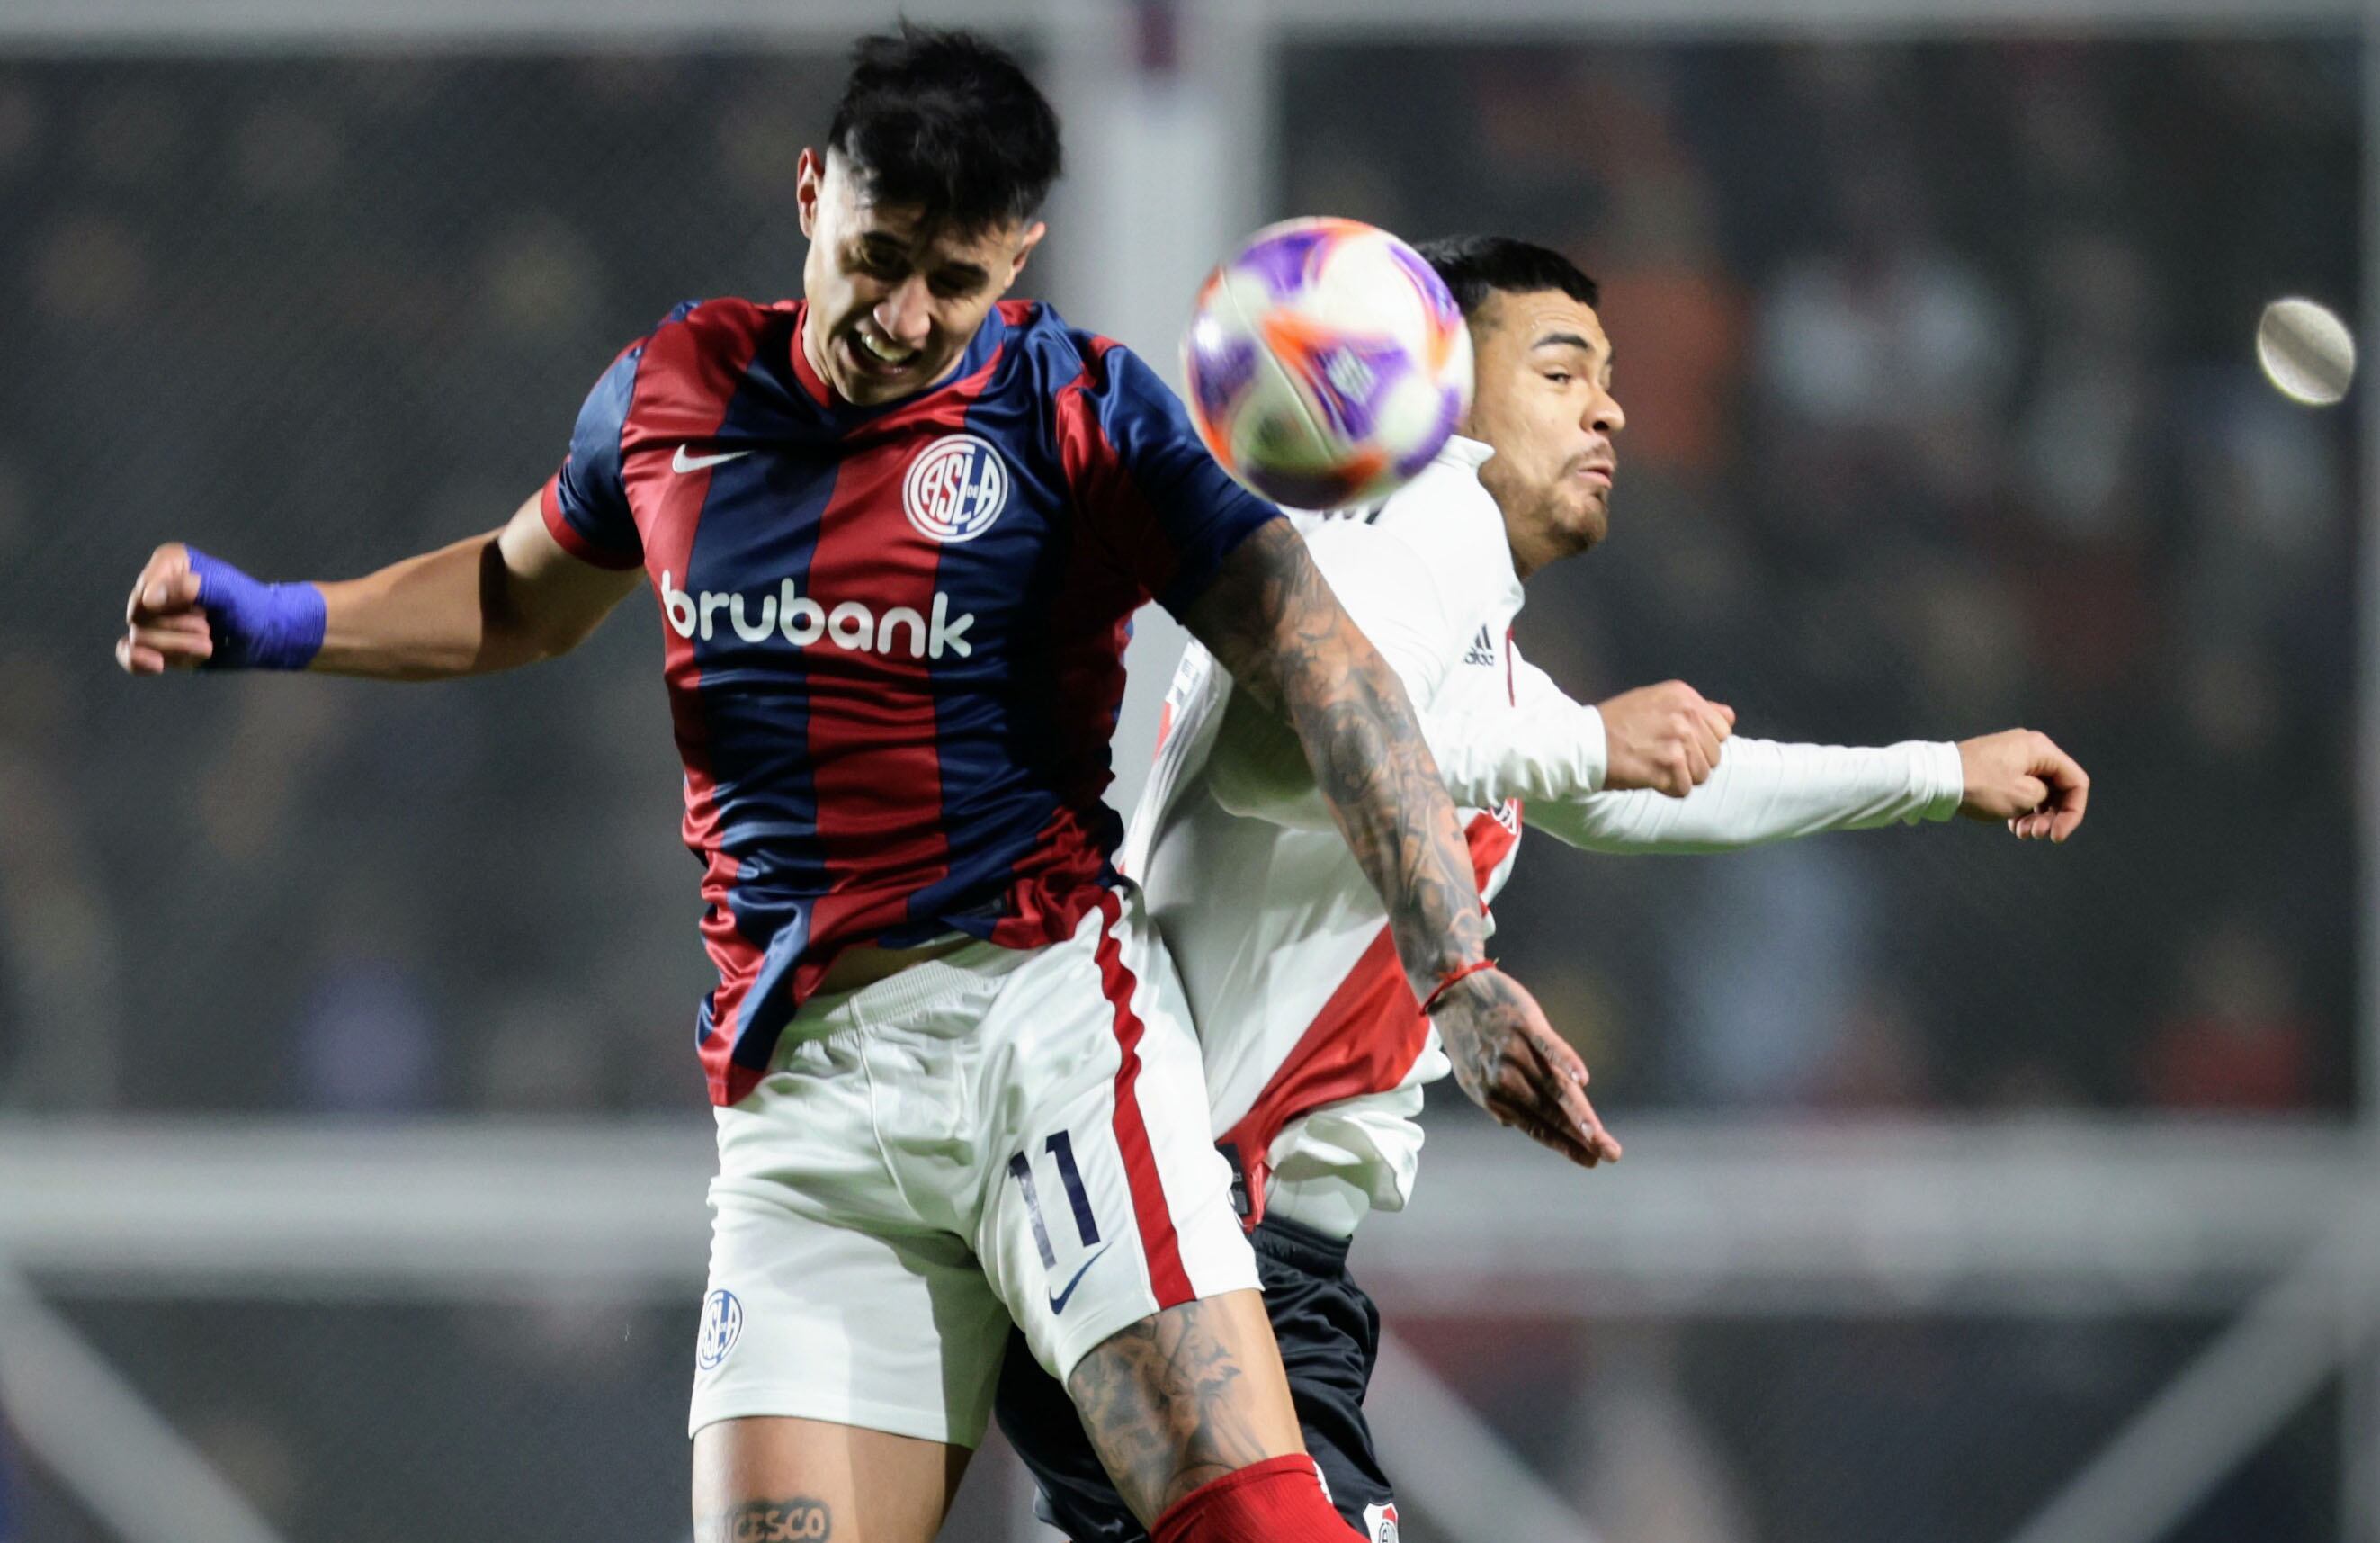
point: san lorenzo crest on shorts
(955, 488)
(723, 1322)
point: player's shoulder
(1059, 353)
(695, 353)
(1447, 492)
(723, 322)
(1359, 555)
(1448, 516)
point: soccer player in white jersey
(1316, 1050)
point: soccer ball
(1326, 363)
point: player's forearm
(1274, 623)
(453, 612)
(1763, 792)
(1554, 749)
(1384, 789)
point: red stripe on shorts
(1166, 1276)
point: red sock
(1277, 1501)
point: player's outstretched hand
(1514, 1065)
(1665, 738)
(164, 626)
(2025, 779)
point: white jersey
(1314, 1046)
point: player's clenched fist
(1514, 1065)
(163, 627)
(2023, 778)
(1665, 738)
(188, 610)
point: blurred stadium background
(352, 1153)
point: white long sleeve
(1760, 791)
(1554, 752)
(1397, 593)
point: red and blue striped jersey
(894, 635)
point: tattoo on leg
(1159, 1400)
(797, 1519)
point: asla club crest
(955, 488)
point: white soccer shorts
(990, 1135)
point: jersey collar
(821, 392)
(1469, 454)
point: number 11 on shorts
(1060, 1146)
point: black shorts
(1329, 1335)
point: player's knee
(1280, 1500)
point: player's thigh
(773, 1479)
(830, 1299)
(1102, 1198)
(1108, 1227)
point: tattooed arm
(1271, 620)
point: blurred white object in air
(2306, 350)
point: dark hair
(949, 122)
(1477, 266)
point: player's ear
(809, 179)
(1025, 245)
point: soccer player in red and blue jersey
(896, 530)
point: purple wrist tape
(257, 627)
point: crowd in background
(1942, 419)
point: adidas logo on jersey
(1482, 650)
(802, 621)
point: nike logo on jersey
(1482, 650)
(1058, 1299)
(682, 462)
